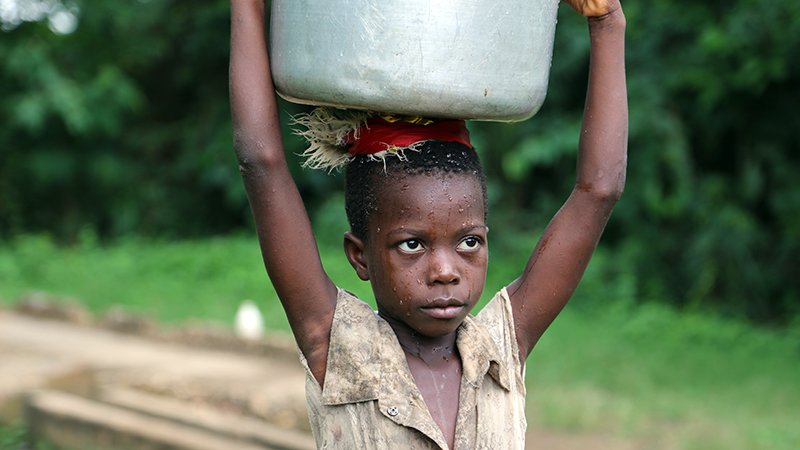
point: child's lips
(443, 309)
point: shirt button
(392, 411)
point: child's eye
(469, 244)
(410, 246)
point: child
(422, 372)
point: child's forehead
(425, 198)
(435, 187)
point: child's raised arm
(561, 256)
(284, 231)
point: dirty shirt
(370, 400)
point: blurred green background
(118, 184)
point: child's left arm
(564, 250)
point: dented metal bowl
(468, 59)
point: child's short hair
(365, 176)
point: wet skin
(426, 255)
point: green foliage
(16, 436)
(12, 437)
(713, 146)
(112, 127)
(168, 281)
(677, 380)
(710, 215)
(122, 126)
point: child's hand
(594, 8)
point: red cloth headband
(389, 132)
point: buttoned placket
(402, 402)
(467, 435)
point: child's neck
(432, 351)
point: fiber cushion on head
(391, 132)
(335, 136)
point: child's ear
(354, 250)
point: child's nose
(443, 268)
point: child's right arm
(284, 230)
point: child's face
(426, 251)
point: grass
(11, 436)
(607, 366)
(15, 436)
(681, 380)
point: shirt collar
(353, 371)
(359, 340)
(479, 354)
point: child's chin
(443, 328)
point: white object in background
(249, 321)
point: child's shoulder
(497, 319)
(353, 319)
(497, 315)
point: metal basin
(467, 59)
